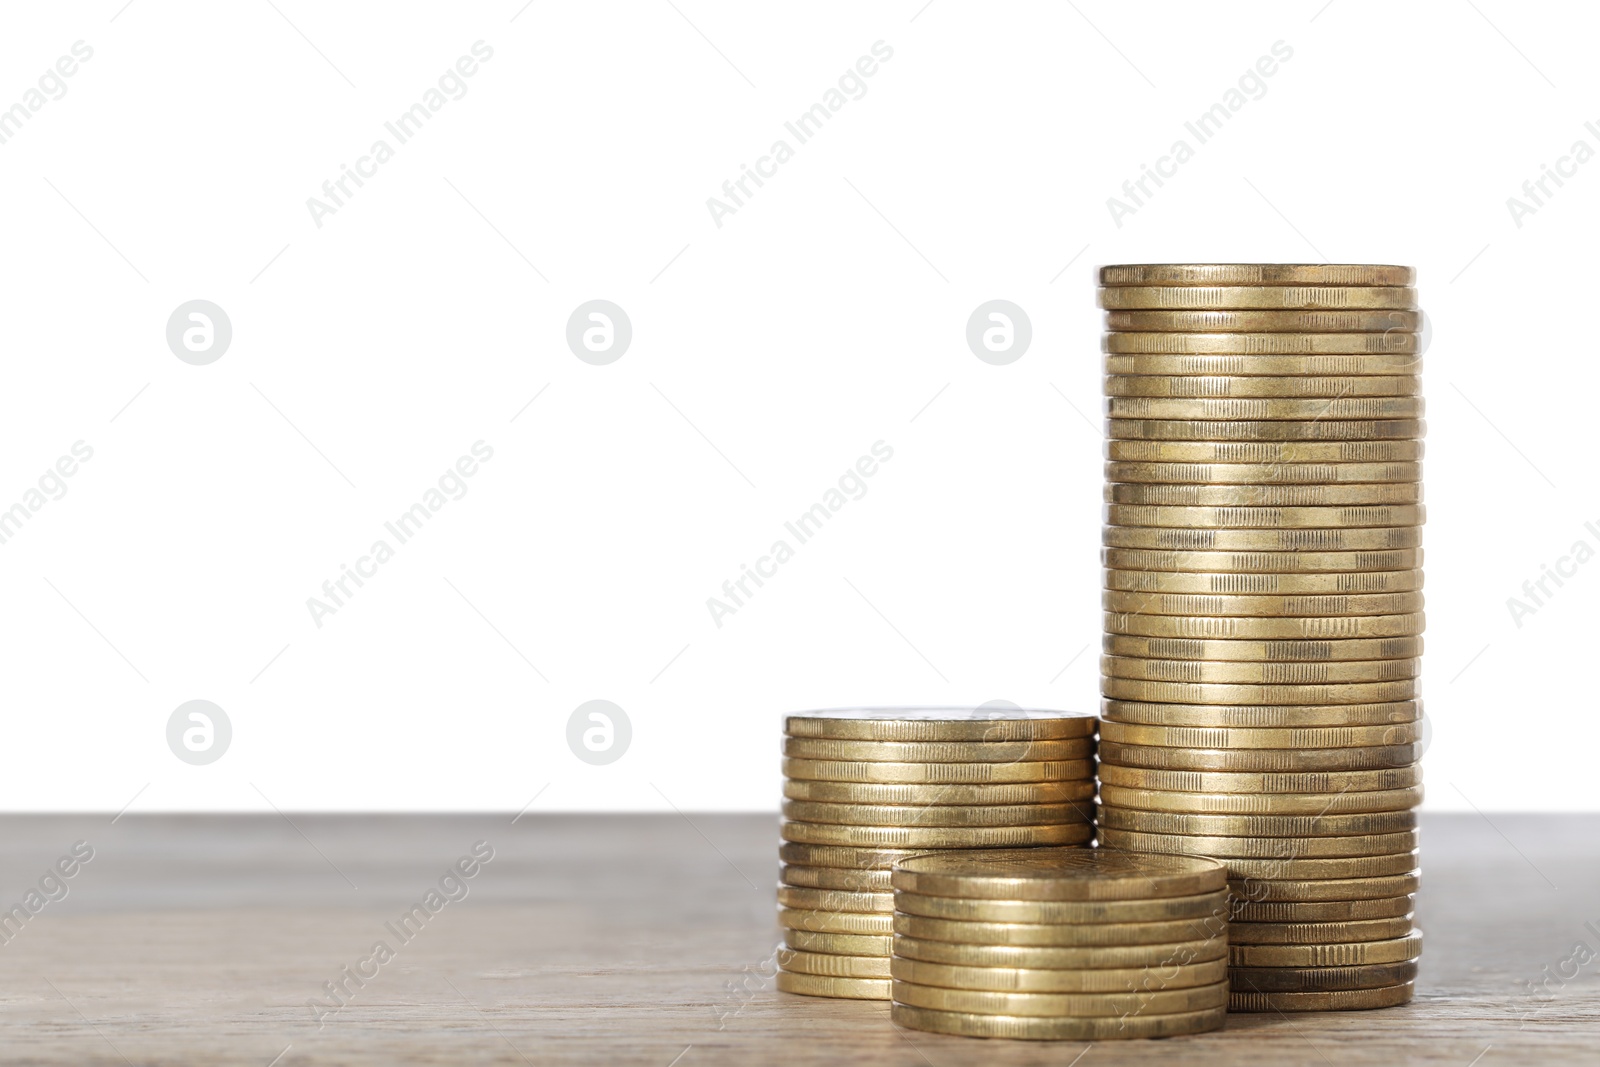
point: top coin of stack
(866, 787)
(1264, 608)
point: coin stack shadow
(866, 787)
(1263, 609)
(1060, 944)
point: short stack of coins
(1264, 609)
(864, 788)
(1060, 944)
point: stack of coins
(1264, 609)
(1078, 944)
(866, 787)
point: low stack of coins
(1264, 609)
(1078, 944)
(866, 787)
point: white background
(827, 314)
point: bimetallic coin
(1313, 429)
(1042, 980)
(1168, 822)
(1227, 849)
(914, 837)
(1285, 716)
(1266, 457)
(1322, 911)
(1156, 909)
(1287, 651)
(1058, 1005)
(1255, 274)
(1248, 933)
(1264, 321)
(834, 899)
(843, 856)
(938, 724)
(1187, 693)
(857, 881)
(1194, 539)
(937, 814)
(822, 748)
(1341, 1000)
(924, 795)
(1057, 874)
(823, 963)
(1361, 758)
(837, 944)
(1074, 1028)
(1274, 408)
(1280, 672)
(1262, 496)
(1260, 385)
(1247, 803)
(1265, 518)
(1049, 957)
(1389, 342)
(1318, 979)
(1237, 365)
(1370, 887)
(1246, 738)
(821, 985)
(1064, 935)
(938, 773)
(835, 922)
(1259, 782)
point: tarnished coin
(1261, 385)
(1319, 979)
(1287, 651)
(1064, 935)
(1224, 409)
(1156, 909)
(834, 899)
(843, 856)
(1254, 274)
(1042, 980)
(1057, 1005)
(836, 922)
(1227, 849)
(1368, 757)
(1292, 890)
(1266, 457)
(845, 878)
(1197, 539)
(823, 748)
(1220, 693)
(1073, 1028)
(1265, 518)
(1237, 365)
(1049, 957)
(1263, 321)
(1341, 1000)
(1292, 672)
(1247, 738)
(923, 795)
(1262, 496)
(837, 944)
(1313, 429)
(1389, 342)
(1322, 911)
(1208, 297)
(822, 985)
(1286, 716)
(1251, 803)
(938, 773)
(1259, 782)
(937, 814)
(1249, 933)
(1248, 826)
(1057, 874)
(823, 963)
(914, 837)
(939, 724)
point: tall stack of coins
(866, 787)
(1078, 944)
(1264, 609)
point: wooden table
(648, 939)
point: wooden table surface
(648, 939)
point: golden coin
(1056, 874)
(939, 724)
(1322, 911)
(1237, 297)
(1056, 1005)
(937, 814)
(1265, 518)
(1221, 693)
(1079, 1028)
(1293, 891)
(1254, 715)
(837, 944)
(1248, 738)
(1273, 673)
(856, 881)
(1361, 758)
(1213, 386)
(1237, 409)
(1262, 628)
(1220, 430)
(1253, 933)
(1266, 605)
(823, 963)
(1157, 909)
(834, 900)
(938, 773)
(1340, 1000)
(1255, 826)
(1390, 342)
(1321, 868)
(1235, 458)
(1318, 979)
(1235, 584)
(1065, 935)
(822, 748)
(1287, 651)
(1043, 980)
(1276, 804)
(821, 985)
(914, 837)
(843, 856)
(1256, 496)
(1260, 476)
(1264, 321)
(1237, 365)
(1394, 950)
(1226, 849)
(1259, 782)
(1049, 957)
(836, 922)
(1254, 274)
(1185, 539)
(922, 795)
